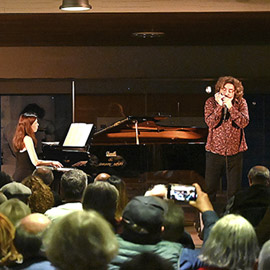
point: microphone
(225, 112)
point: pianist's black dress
(24, 166)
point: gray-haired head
(264, 258)
(73, 184)
(232, 244)
(82, 240)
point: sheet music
(77, 135)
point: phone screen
(182, 193)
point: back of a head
(16, 190)
(143, 218)
(15, 210)
(102, 177)
(147, 260)
(264, 257)
(259, 175)
(3, 197)
(232, 244)
(8, 252)
(4, 179)
(73, 184)
(102, 197)
(29, 233)
(82, 240)
(121, 187)
(41, 198)
(45, 174)
(173, 222)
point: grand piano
(137, 145)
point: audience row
(93, 226)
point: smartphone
(183, 193)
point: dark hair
(4, 178)
(102, 197)
(239, 89)
(34, 109)
(147, 260)
(173, 222)
(73, 184)
(26, 243)
(123, 198)
(24, 128)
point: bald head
(259, 175)
(45, 174)
(35, 223)
(29, 234)
(102, 177)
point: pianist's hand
(80, 163)
(56, 164)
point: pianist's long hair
(24, 128)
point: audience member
(102, 177)
(82, 240)
(263, 228)
(143, 219)
(232, 244)
(173, 219)
(46, 175)
(264, 257)
(41, 198)
(123, 198)
(8, 252)
(5, 179)
(72, 186)
(15, 210)
(16, 190)
(252, 202)
(3, 197)
(147, 260)
(28, 241)
(174, 226)
(102, 197)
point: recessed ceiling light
(148, 34)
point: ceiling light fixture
(75, 5)
(148, 34)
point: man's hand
(202, 202)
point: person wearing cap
(143, 219)
(24, 143)
(16, 190)
(252, 202)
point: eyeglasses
(227, 90)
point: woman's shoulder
(27, 139)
